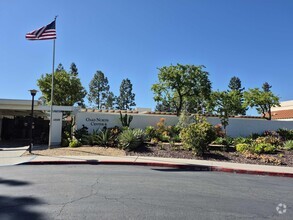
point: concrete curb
(157, 164)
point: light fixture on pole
(33, 93)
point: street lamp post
(33, 93)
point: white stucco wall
(237, 126)
(94, 120)
(246, 126)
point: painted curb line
(157, 164)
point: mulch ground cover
(216, 153)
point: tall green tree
(224, 106)
(110, 101)
(98, 89)
(179, 85)
(73, 69)
(263, 100)
(236, 95)
(59, 67)
(68, 89)
(126, 98)
(266, 87)
(235, 84)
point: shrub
(268, 140)
(227, 141)
(254, 136)
(219, 130)
(87, 139)
(242, 140)
(74, 142)
(270, 159)
(288, 145)
(151, 133)
(270, 133)
(104, 138)
(114, 132)
(173, 131)
(285, 134)
(65, 142)
(197, 136)
(161, 132)
(219, 140)
(243, 147)
(131, 139)
(264, 148)
(185, 119)
(161, 127)
(81, 132)
(175, 138)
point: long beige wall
(237, 126)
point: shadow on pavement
(13, 182)
(197, 168)
(12, 144)
(15, 208)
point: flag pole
(52, 94)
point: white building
(15, 120)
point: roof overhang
(14, 107)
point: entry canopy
(16, 107)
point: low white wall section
(237, 126)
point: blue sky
(251, 39)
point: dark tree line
(188, 88)
(179, 88)
(68, 90)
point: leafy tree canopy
(180, 84)
(262, 100)
(68, 89)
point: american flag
(47, 32)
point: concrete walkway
(12, 156)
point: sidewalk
(197, 165)
(12, 156)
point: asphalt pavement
(134, 192)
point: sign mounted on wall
(97, 121)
